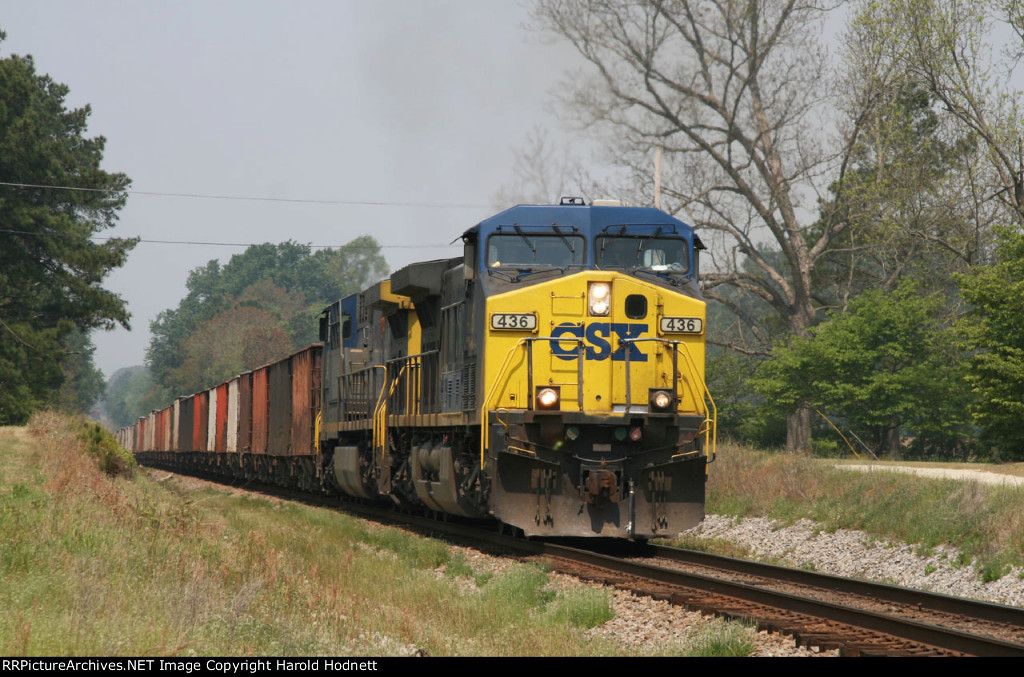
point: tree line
(260, 306)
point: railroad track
(856, 617)
(828, 612)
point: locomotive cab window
(658, 254)
(534, 250)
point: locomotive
(552, 378)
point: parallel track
(819, 610)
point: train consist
(552, 377)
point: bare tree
(949, 45)
(735, 93)
(543, 170)
(919, 189)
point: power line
(206, 196)
(229, 244)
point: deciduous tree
(736, 95)
(889, 363)
(993, 331)
(256, 308)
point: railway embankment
(956, 530)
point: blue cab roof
(585, 219)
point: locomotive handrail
(348, 380)
(711, 417)
(414, 395)
(409, 357)
(710, 424)
(485, 423)
(381, 405)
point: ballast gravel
(853, 554)
(645, 623)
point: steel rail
(969, 608)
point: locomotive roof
(586, 219)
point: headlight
(661, 400)
(600, 296)
(548, 397)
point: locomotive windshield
(524, 250)
(669, 255)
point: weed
(523, 587)
(929, 569)
(993, 571)
(421, 552)
(582, 608)
(722, 639)
(458, 566)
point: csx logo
(600, 337)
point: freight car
(551, 377)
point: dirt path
(984, 476)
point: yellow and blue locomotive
(552, 377)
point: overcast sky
(413, 102)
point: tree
(734, 94)
(808, 190)
(993, 331)
(543, 171)
(51, 270)
(889, 363)
(83, 384)
(131, 394)
(259, 306)
(947, 45)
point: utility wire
(371, 203)
(228, 244)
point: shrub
(99, 444)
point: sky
(313, 105)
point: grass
(721, 639)
(93, 563)
(986, 522)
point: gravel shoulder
(855, 554)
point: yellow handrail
(485, 426)
(710, 416)
(381, 404)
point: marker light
(636, 433)
(548, 397)
(600, 297)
